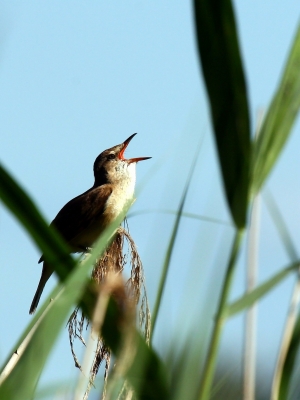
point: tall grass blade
(249, 361)
(226, 87)
(279, 119)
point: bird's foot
(87, 250)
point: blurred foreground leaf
(225, 83)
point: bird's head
(111, 165)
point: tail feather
(46, 273)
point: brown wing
(79, 213)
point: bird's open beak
(124, 146)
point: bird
(81, 221)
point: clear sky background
(77, 77)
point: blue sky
(78, 77)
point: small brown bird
(81, 220)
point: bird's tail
(46, 273)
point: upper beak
(131, 160)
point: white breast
(123, 191)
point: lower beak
(135, 160)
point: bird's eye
(111, 157)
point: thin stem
(250, 321)
(251, 281)
(209, 367)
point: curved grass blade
(226, 87)
(279, 120)
(250, 298)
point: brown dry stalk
(130, 296)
